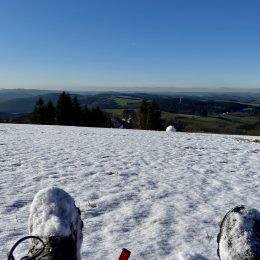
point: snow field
(160, 195)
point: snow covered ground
(161, 195)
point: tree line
(68, 111)
(149, 116)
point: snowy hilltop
(160, 195)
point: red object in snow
(125, 254)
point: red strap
(125, 254)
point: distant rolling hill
(25, 105)
(8, 94)
(23, 100)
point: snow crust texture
(162, 196)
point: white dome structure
(170, 128)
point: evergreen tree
(68, 112)
(77, 112)
(154, 117)
(50, 113)
(86, 116)
(38, 114)
(64, 110)
(98, 119)
(143, 114)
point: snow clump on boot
(239, 236)
(55, 219)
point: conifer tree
(50, 113)
(38, 114)
(86, 116)
(64, 111)
(98, 118)
(77, 112)
(154, 118)
(143, 114)
(68, 112)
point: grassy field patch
(126, 101)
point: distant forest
(68, 111)
(224, 113)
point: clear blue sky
(77, 43)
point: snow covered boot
(56, 220)
(239, 236)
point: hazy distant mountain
(19, 93)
